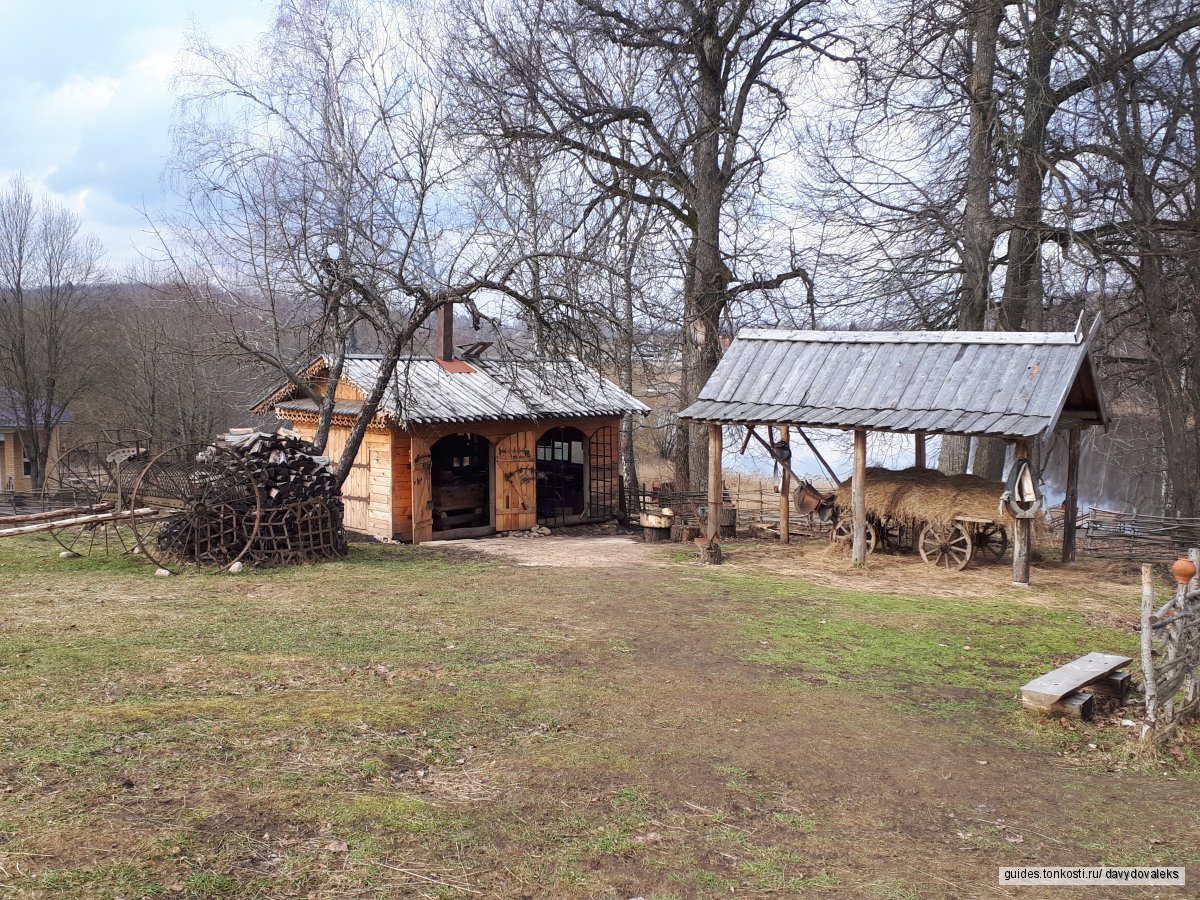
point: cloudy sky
(85, 100)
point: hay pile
(915, 496)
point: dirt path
(823, 778)
(567, 552)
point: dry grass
(912, 496)
(437, 723)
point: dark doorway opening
(461, 476)
(562, 476)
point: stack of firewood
(301, 519)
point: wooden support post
(1022, 533)
(1071, 500)
(858, 491)
(919, 450)
(710, 551)
(785, 493)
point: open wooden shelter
(1022, 387)
(473, 446)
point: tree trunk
(1021, 306)
(979, 230)
(990, 453)
(325, 415)
(709, 278)
(954, 453)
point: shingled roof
(425, 390)
(1006, 384)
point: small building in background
(16, 450)
(470, 447)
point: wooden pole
(858, 493)
(1023, 536)
(1191, 681)
(714, 482)
(1071, 500)
(785, 493)
(919, 450)
(1149, 687)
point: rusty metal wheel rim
(194, 481)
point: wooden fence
(1134, 537)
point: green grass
(416, 720)
(900, 643)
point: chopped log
(653, 535)
(710, 552)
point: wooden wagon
(949, 520)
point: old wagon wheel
(208, 503)
(843, 532)
(991, 541)
(948, 546)
(890, 534)
(91, 479)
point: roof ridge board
(910, 337)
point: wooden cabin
(470, 447)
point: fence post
(1191, 687)
(1149, 689)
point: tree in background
(322, 191)
(679, 107)
(49, 271)
(965, 162)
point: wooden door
(516, 482)
(422, 491)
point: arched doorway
(562, 476)
(461, 484)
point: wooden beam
(1022, 533)
(785, 493)
(858, 491)
(1071, 500)
(817, 453)
(919, 450)
(714, 483)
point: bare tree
(321, 187)
(48, 270)
(672, 106)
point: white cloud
(85, 98)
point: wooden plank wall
(389, 492)
(11, 463)
(379, 475)
(367, 493)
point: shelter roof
(425, 390)
(1005, 384)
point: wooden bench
(1069, 689)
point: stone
(237, 568)
(162, 573)
(68, 554)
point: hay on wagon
(913, 497)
